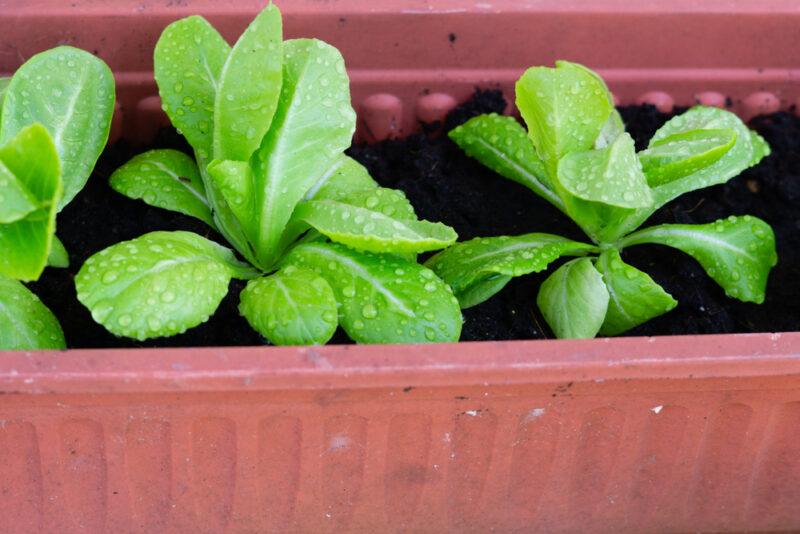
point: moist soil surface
(445, 185)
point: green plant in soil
(323, 245)
(55, 116)
(576, 155)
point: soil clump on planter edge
(445, 185)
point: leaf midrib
(180, 182)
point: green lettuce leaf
(26, 323)
(479, 268)
(502, 144)
(71, 93)
(245, 103)
(15, 200)
(291, 307)
(234, 180)
(159, 284)
(685, 153)
(634, 298)
(348, 181)
(59, 257)
(383, 298)
(4, 81)
(574, 300)
(370, 230)
(312, 126)
(565, 109)
(747, 150)
(743, 154)
(32, 160)
(737, 252)
(166, 179)
(612, 129)
(610, 175)
(344, 178)
(187, 64)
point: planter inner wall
(412, 61)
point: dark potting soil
(445, 185)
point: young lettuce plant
(269, 121)
(55, 116)
(577, 156)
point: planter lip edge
(241, 369)
(437, 7)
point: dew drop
(369, 311)
(153, 323)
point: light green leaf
(634, 297)
(187, 63)
(761, 148)
(684, 153)
(742, 155)
(15, 200)
(345, 177)
(249, 86)
(58, 257)
(32, 159)
(234, 180)
(346, 180)
(370, 229)
(746, 152)
(26, 323)
(737, 252)
(159, 284)
(4, 81)
(312, 126)
(565, 109)
(389, 202)
(574, 300)
(166, 179)
(383, 298)
(71, 93)
(502, 144)
(612, 129)
(479, 268)
(610, 175)
(225, 219)
(291, 307)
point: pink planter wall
(400, 52)
(623, 435)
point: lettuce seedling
(577, 156)
(269, 121)
(55, 116)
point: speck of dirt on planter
(445, 185)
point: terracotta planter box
(631, 434)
